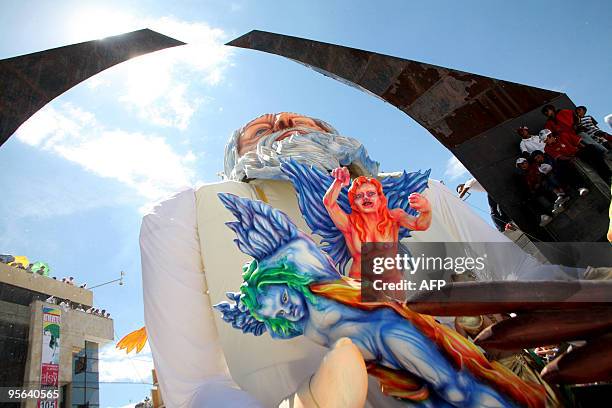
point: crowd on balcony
(546, 168)
(37, 268)
(22, 262)
(67, 304)
(70, 281)
(41, 268)
(546, 171)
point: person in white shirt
(529, 143)
(471, 184)
(500, 219)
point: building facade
(45, 343)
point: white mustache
(317, 148)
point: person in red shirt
(562, 123)
(528, 181)
(556, 148)
(565, 153)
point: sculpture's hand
(342, 175)
(419, 202)
(330, 199)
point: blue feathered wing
(260, 230)
(236, 313)
(398, 189)
(310, 184)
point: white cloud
(96, 82)
(164, 88)
(608, 120)
(454, 169)
(144, 162)
(159, 86)
(117, 366)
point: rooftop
(42, 284)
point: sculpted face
(280, 301)
(367, 199)
(285, 123)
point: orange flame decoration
(462, 352)
(398, 384)
(134, 340)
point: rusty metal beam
(452, 105)
(29, 82)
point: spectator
(564, 153)
(499, 218)
(529, 142)
(527, 179)
(562, 123)
(547, 184)
(590, 132)
(71, 281)
(545, 166)
(7, 259)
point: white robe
(189, 261)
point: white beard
(320, 149)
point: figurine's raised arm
(342, 178)
(421, 222)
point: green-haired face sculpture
(283, 294)
(277, 297)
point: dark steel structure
(474, 116)
(29, 82)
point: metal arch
(29, 82)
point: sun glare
(97, 23)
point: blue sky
(78, 176)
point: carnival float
(260, 268)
